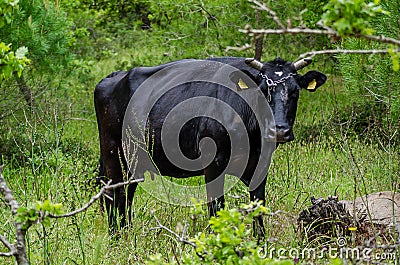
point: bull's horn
(254, 63)
(302, 63)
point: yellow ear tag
(242, 84)
(312, 85)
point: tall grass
(52, 153)
(58, 158)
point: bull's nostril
(286, 132)
(283, 135)
(280, 126)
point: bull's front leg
(215, 191)
(258, 194)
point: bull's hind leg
(215, 190)
(118, 201)
(119, 207)
(128, 199)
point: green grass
(298, 172)
(55, 157)
(328, 165)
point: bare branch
(327, 31)
(86, 206)
(337, 51)
(7, 193)
(239, 49)
(293, 31)
(263, 7)
(381, 39)
(96, 197)
(6, 254)
(120, 184)
(178, 237)
(258, 40)
(6, 243)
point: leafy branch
(182, 238)
(230, 241)
(10, 61)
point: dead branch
(337, 51)
(176, 235)
(328, 32)
(381, 39)
(18, 249)
(259, 40)
(263, 7)
(96, 197)
(6, 254)
(246, 46)
(292, 31)
(5, 242)
(325, 30)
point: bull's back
(112, 96)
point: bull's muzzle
(280, 134)
(283, 136)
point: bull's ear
(311, 80)
(242, 79)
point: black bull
(277, 82)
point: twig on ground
(176, 235)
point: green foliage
(44, 30)
(373, 79)
(313, 12)
(12, 62)
(230, 241)
(9, 61)
(52, 153)
(395, 56)
(38, 213)
(6, 10)
(351, 16)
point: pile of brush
(370, 219)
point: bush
(229, 241)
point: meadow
(51, 151)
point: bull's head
(281, 84)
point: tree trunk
(259, 39)
(259, 47)
(26, 91)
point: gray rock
(377, 208)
